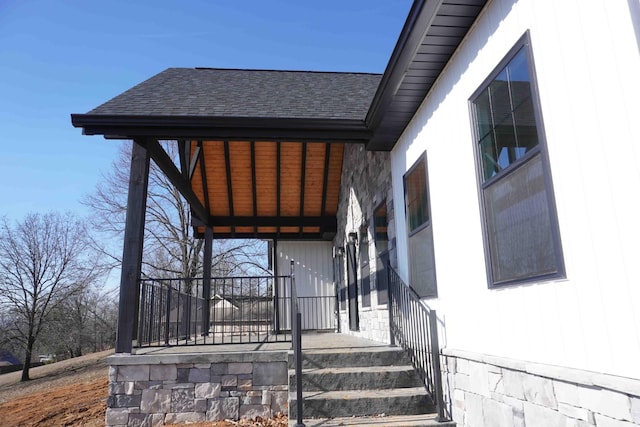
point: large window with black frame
(422, 268)
(522, 241)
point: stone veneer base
(483, 390)
(154, 390)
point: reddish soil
(74, 393)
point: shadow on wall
(634, 9)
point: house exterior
(514, 217)
(493, 168)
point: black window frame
(421, 161)
(524, 43)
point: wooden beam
(327, 236)
(194, 159)
(278, 183)
(272, 221)
(325, 178)
(254, 191)
(227, 163)
(184, 148)
(203, 175)
(164, 162)
(303, 173)
(132, 249)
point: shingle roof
(207, 92)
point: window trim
(541, 149)
(429, 223)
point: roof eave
(411, 36)
(382, 118)
(251, 128)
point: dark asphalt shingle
(205, 92)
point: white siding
(313, 266)
(588, 72)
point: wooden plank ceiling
(267, 189)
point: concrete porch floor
(315, 341)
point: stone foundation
(153, 390)
(484, 390)
(374, 324)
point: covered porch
(263, 164)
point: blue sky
(63, 57)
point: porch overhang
(244, 128)
(282, 133)
(260, 150)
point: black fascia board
(415, 28)
(251, 128)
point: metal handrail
(415, 327)
(296, 343)
(172, 311)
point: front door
(352, 286)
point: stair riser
(339, 360)
(321, 408)
(356, 381)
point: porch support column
(206, 280)
(132, 250)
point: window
(365, 279)
(522, 241)
(382, 252)
(422, 272)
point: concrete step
(347, 403)
(356, 378)
(379, 421)
(372, 356)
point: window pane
(382, 279)
(365, 281)
(519, 225)
(422, 272)
(500, 99)
(525, 127)
(489, 157)
(518, 67)
(483, 115)
(416, 197)
(506, 142)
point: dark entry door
(352, 286)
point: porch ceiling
(267, 189)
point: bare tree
(44, 260)
(84, 322)
(171, 249)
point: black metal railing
(414, 326)
(296, 344)
(240, 310)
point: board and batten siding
(586, 56)
(314, 278)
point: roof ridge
(277, 71)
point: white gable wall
(587, 62)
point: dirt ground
(73, 393)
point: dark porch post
(132, 250)
(206, 280)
